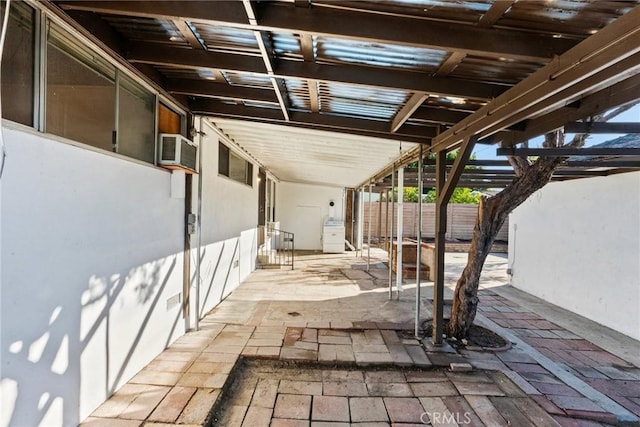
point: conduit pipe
(198, 251)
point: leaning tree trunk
(492, 213)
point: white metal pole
(369, 232)
(390, 246)
(361, 222)
(400, 233)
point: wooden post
(444, 189)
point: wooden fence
(461, 219)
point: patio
(336, 322)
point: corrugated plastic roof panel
(497, 70)
(247, 79)
(361, 100)
(298, 91)
(227, 39)
(336, 50)
(458, 10)
(147, 29)
(569, 17)
(186, 73)
(287, 45)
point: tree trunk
(492, 213)
(491, 217)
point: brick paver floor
(606, 373)
(470, 398)
(319, 346)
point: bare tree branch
(577, 141)
(617, 111)
(519, 164)
(553, 139)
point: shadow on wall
(67, 353)
(68, 344)
(216, 275)
(224, 265)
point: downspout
(198, 251)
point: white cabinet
(333, 237)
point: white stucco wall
(92, 250)
(229, 220)
(576, 244)
(302, 208)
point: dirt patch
(479, 337)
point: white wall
(576, 244)
(229, 219)
(302, 208)
(92, 250)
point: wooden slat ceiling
(394, 69)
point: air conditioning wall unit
(177, 152)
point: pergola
(435, 75)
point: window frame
(225, 153)
(34, 19)
(42, 19)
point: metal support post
(369, 232)
(393, 184)
(399, 287)
(379, 218)
(441, 228)
(386, 222)
(419, 247)
(361, 222)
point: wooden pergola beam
(407, 110)
(364, 127)
(219, 90)
(568, 151)
(266, 51)
(609, 46)
(152, 53)
(188, 35)
(418, 32)
(602, 127)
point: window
(234, 166)
(82, 96)
(18, 65)
(136, 120)
(223, 160)
(81, 91)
